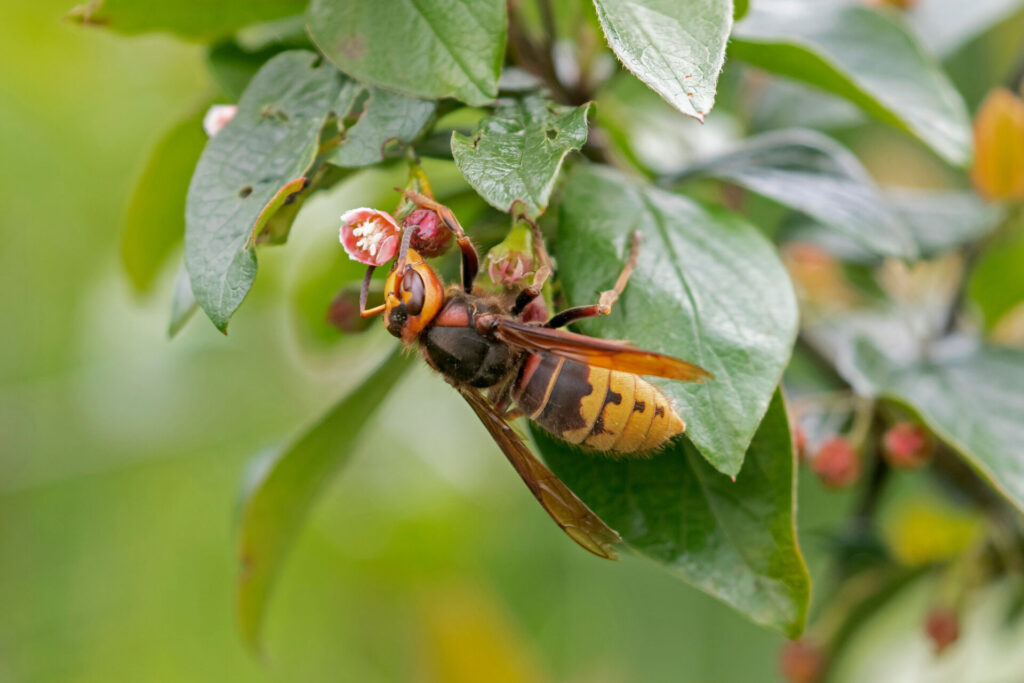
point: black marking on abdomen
(530, 396)
(598, 427)
(563, 410)
(659, 411)
(639, 406)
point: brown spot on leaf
(352, 48)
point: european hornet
(584, 390)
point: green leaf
(946, 25)
(740, 9)
(708, 288)
(997, 282)
(973, 400)
(864, 55)
(675, 47)
(515, 154)
(154, 223)
(812, 173)
(943, 220)
(735, 540)
(232, 67)
(423, 48)
(248, 170)
(938, 221)
(183, 305)
(388, 118)
(277, 503)
(194, 19)
(785, 103)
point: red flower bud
(343, 312)
(429, 238)
(906, 445)
(836, 463)
(942, 627)
(370, 236)
(802, 661)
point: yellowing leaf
(998, 171)
(468, 638)
(923, 528)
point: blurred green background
(122, 453)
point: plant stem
(539, 60)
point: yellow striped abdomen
(606, 410)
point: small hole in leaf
(551, 133)
(245, 192)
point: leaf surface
(677, 47)
(946, 25)
(276, 504)
(937, 221)
(183, 304)
(735, 540)
(193, 19)
(387, 119)
(815, 175)
(257, 163)
(864, 55)
(515, 153)
(154, 223)
(422, 48)
(973, 401)
(708, 288)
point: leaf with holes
(515, 154)
(708, 288)
(676, 48)
(864, 55)
(735, 540)
(254, 165)
(812, 173)
(426, 48)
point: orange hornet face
(413, 295)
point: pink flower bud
(509, 262)
(802, 661)
(906, 445)
(343, 312)
(430, 238)
(507, 270)
(217, 117)
(370, 236)
(942, 627)
(836, 463)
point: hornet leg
(608, 297)
(470, 260)
(540, 276)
